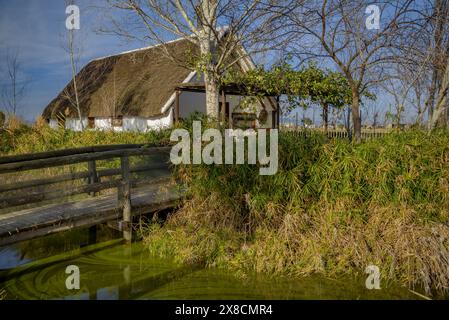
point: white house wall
(147, 124)
(75, 124)
(135, 124)
(103, 123)
(190, 102)
(162, 122)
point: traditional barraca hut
(149, 89)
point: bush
(332, 208)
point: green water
(111, 270)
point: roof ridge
(138, 49)
(222, 30)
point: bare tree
(438, 22)
(244, 23)
(425, 53)
(442, 101)
(14, 89)
(336, 30)
(74, 52)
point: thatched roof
(136, 83)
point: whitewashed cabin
(144, 90)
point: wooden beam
(53, 194)
(93, 175)
(177, 106)
(124, 199)
(78, 158)
(101, 216)
(66, 152)
(233, 89)
(137, 169)
(78, 176)
(43, 182)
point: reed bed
(333, 208)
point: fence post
(124, 199)
(93, 175)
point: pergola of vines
(308, 85)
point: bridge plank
(30, 223)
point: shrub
(332, 208)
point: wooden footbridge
(38, 207)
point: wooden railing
(11, 194)
(337, 134)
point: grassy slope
(333, 208)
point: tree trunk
(438, 116)
(440, 13)
(431, 98)
(442, 101)
(325, 116)
(209, 52)
(347, 116)
(212, 95)
(356, 120)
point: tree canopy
(307, 84)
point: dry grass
(19, 138)
(333, 208)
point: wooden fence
(15, 194)
(337, 134)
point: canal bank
(111, 270)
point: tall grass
(333, 208)
(19, 138)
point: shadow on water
(110, 270)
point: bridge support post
(124, 194)
(93, 175)
(92, 235)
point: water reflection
(130, 272)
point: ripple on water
(130, 272)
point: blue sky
(36, 29)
